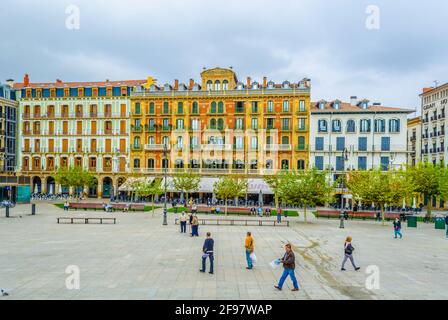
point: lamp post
(165, 171)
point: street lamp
(165, 171)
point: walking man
(289, 265)
(183, 222)
(207, 250)
(446, 223)
(348, 254)
(397, 228)
(249, 245)
(279, 215)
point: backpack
(348, 249)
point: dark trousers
(210, 256)
(194, 230)
(183, 226)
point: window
(365, 125)
(195, 124)
(380, 126)
(136, 142)
(220, 107)
(180, 107)
(285, 106)
(269, 123)
(254, 106)
(151, 140)
(394, 125)
(254, 123)
(300, 164)
(239, 143)
(301, 143)
(166, 140)
(340, 144)
(385, 163)
(209, 85)
(151, 108)
(150, 163)
(180, 124)
(319, 162)
(166, 123)
(270, 108)
(254, 143)
(137, 163)
(319, 144)
(220, 124)
(351, 127)
(195, 107)
(166, 107)
(213, 107)
(180, 143)
(285, 124)
(340, 163)
(336, 126)
(225, 85)
(285, 140)
(322, 126)
(217, 85)
(362, 144)
(239, 107)
(239, 123)
(285, 164)
(362, 163)
(385, 144)
(302, 106)
(302, 122)
(137, 108)
(212, 123)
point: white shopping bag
(253, 257)
(275, 263)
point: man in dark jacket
(207, 250)
(289, 264)
(397, 228)
(446, 222)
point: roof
(346, 107)
(430, 90)
(61, 84)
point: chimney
(265, 82)
(248, 82)
(26, 80)
(377, 103)
(354, 101)
(176, 84)
(427, 89)
(191, 84)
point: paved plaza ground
(138, 258)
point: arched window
(364, 126)
(195, 107)
(209, 85)
(380, 125)
(300, 164)
(166, 140)
(285, 164)
(351, 126)
(225, 85)
(213, 124)
(137, 142)
(336, 126)
(217, 85)
(394, 125)
(151, 140)
(301, 143)
(285, 140)
(150, 163)
(213, 107)
(269, 164)
(322, 126)
(220, 107)
(220, 124)
(136, 163)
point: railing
(216, 147)
(156, 147)
(277, 147)
(301, 129)
(136, 129)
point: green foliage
(147, 188)
(74, 177)
(186, 182)
(305, 188)
(230, 187)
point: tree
(186, 182)
(147, 188)
(230, 187)
(428, 179)
(275, 183)
(76, 177)
(306, 188)
(380, 187)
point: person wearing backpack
(348, 254)
(249, 245)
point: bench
(356, 214)
(84, 220)
(234, 210)
(240, 222)
(99, 206)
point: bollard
(33, 209)
(7, 211)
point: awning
(128, 184)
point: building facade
(414, 140)
(220, 126)
(434, 122)
(80, 124)
(357, 136)
(8, 125)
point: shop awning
(128, 184)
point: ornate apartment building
(357, 135)
(220, 125)
(83, 124)
(434, 124)
(414, 140)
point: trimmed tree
(230, 187)
(75, 177)
(275, 183)
(379, 187)
(144, 188)
(306, 188)
(186, 182)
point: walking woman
(348, 254)
(195, 226)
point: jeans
(279, 218)
(194, 230)
(65, 208)
(286, 273)
(183, 226)
(447, 231)
(346, 257)
(210, 256)
(397, 232)
(249, 259)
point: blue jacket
(446, 219)
(208, 246)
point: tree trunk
(276, 202)
(187, 201)
(152, 200)
(383, 222)
(226, 206)
(304, 214)
(429, 208)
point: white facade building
(357, 136)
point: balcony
(93, 114)
(301, 147)
(156, 147)
(166, 128)
(216, 147)
(286, 128)
(50, 115)
(136, 129)
(150, 128)
(301, 128)
(301, 112)
(277, 147)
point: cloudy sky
(324, 40)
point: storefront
(15, 189)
